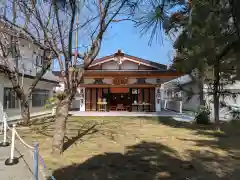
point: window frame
(12, 95)
(42, 93)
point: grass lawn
(142, 148)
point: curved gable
(123, 61)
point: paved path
(19, 171)
(124, 113)
(34, 114)
(174, 115)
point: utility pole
(76, 35)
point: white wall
(88, 81)
(128, 65)
(29, 53)
(107, 80)
(151, 81)
(110, 65)
(223, 111)
(114, 65)
(79, 101)
(132, 80)
(158, 99)
(174, 105)
(27, 63)
(4, 82)
(194, 102)
(75, 104)
(191, 104)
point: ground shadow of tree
(82, 132)
(75, 133)
(218, 166)
(143, 161)
(227, 139)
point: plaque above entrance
(120, 81)
(119, 90)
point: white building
(29, 64)
(191, 101)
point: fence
(12, 160)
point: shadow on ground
(75, 132)
(144, 161)
(227, 139)
(82, 132)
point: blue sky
(125, 36)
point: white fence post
(4, 143)
(180, 107)
(12, 160)
(165, 104)
(54, 111)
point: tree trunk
(201, 90)
(216, 110)
(216, 94)
(60, 125)
(25, 112)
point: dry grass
(102, 148)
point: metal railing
(12, 160)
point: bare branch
(40, 75)
(126, 19)
(59, 28)
(26, 33)
(103, 26)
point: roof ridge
(149, 62)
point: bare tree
(16, 28)
(88, 20)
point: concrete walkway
(33, 115)
(25, 167)
(19, 171)
(166, 113)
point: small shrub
(51, 102)
(203, 115)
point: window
(10, 99)
(39, 97)
(134, 95)
(135, 91)
(39, 62)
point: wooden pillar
(140, 95)
(152, 99)
(146, 95)
(108, 99)
(94, 99)
(88, 99)
(99, 92)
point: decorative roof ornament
(118, 56)
(120, 61)
(168, 67)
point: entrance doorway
(120, 99)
